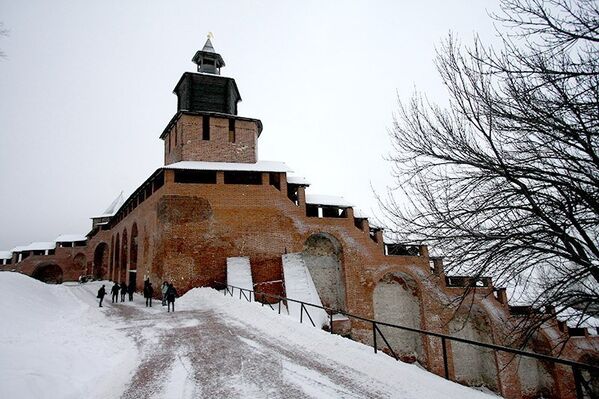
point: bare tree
(505, 180)
(3, 32)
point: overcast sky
(86, 90)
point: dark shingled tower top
(208, 60)
(205, 90)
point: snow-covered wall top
(5, 254)
(302, 181)
(358, 213)
(329, 200)
(35, 246)
(71, 238)
(260, 166)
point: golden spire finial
(210, 35)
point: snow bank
(56, 343)
(395, 379)
(300, 286)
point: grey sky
(87, 89)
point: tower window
(231, 130)
(195, 176)
(206, 128)
(235, 177)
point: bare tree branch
(505, 181)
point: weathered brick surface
(190, 146)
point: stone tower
(206, 126)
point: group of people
(123, 289)
(169, 293)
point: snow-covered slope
(299, 286)
(239, 272)
(378, 374)
(54, 344)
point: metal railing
(583, 389)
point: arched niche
(124, 256)
(133, 254)
(322, 256)
(49, 273)
(473, 365)
(590, 378)
(536, 376)
(396, 300)
(80, 262)
(100, 261)
(111, 264)
(117, 258)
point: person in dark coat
(115, 292)
(101, 293)
(123, 291)
(171, 294)
(148, 292)
(131, 290)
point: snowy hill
(56, 343)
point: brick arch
(100, 262)
(323, 255)
(322, 243)
(49, 273)
(124, 254)
(386, 273)
(396, 299)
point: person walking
(101, 293)
(115, 292)
(148, 292)
(123, 291)
(164, 289)
(171, 294)
(131, 290)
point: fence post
(374, 335)
(331, 321)
(301, 312)
(445, 367)
(310, 318)
(577, 383)
(280, 306)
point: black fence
(583, 387)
